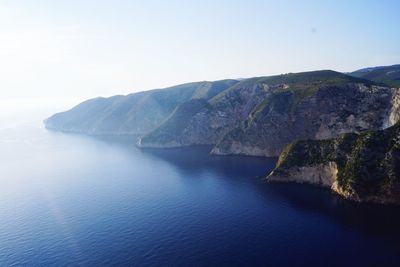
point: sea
(76, 200)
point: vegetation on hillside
(388, 75)
(368, 163)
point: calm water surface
(76, 200)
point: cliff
(362, 167)
(257, 116)
(312, 109)
(207, 125)
(260, 116)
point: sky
(89, 48)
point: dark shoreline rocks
(361, 167)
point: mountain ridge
(231, 114)
(312, 119)
(135, 113)
(389, 75)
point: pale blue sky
(87, 48)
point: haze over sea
(78, 200)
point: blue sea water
(71, 200)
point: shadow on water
(372, 219)
(198, 158)
(376, 221)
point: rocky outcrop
(394, 112)
(324, 174)
(362, 167)
(323, 112)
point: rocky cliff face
(363, 167)
(260, 116)
(394, 112)
(325, 111)
(257, 116)
(210, 122)
(323, 174)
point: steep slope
(174, 126)
(257, 116)
(210, 123)
(136, 113)
(389, 75)
(315, 105)
(228, 111)
(364, 167)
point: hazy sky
(87, 48)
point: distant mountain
(389, 75)
(257, 116)
(364, 167)
(134, 114)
